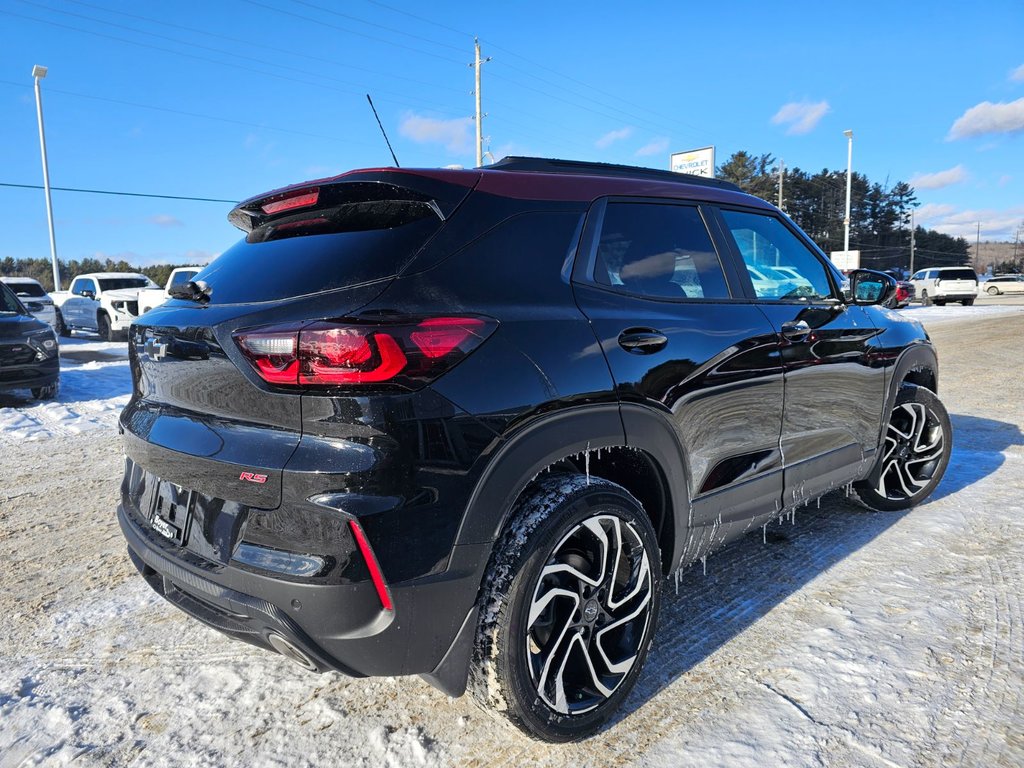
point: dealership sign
(846, 260)
(699, 162)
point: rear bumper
(336, 626)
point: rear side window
(658, 250)
(120, 283)
(779, 265)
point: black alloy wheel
(915, 452)
(103, 327)
(46, 393)
(570, 608)
(62, 329)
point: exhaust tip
(287, 648)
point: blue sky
(229, 98)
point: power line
(191, 114)
(120, 194)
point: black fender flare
(527, 452)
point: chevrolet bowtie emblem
(155, 350)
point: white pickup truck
(103, 302)
(154, 297)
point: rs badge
(252, 478)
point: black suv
(29, 352)
(463, 423)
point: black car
(29, 353)
(463, 423)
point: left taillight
(405, 353)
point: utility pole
(911, 242)
(782, 175)
(477, 62)
(38, 73)
(849, 168)
(977, 249)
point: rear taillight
(402, 353)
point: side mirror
(88, 294)
(868, 287)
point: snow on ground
(844, 639)
(95, 383)
(957, 313)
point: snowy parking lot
(841, 637)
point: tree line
(879, 212)
(41, 270)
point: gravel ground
(845, 638)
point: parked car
(29, 352)
(34, 296)
(905, 291)
(941, 284)
(1000, 284)
(154, 297)
(101, 302)
(464, 423)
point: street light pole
(849, 168)
(39, 73)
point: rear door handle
(795, 330)
(642, 341)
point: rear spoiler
(443, 196)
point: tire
(62, 329)
(563, 633)
(939, 302)
(103, 327)
(968, 302)
(915, 452)
(46, 393)
(992, 290)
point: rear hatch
(200, 418)
(957, 281)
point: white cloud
(612, 136)
(996, 224)
(456, 135)
(1005, 179)
(989, 118)
(1018, 74)
(939, 179)
(166, 220)
(657, 146)
(932, 211)
(801, 116)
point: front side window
(779, 265)
(657, 250)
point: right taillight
(405, 353)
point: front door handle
(795, 330)
(642, 341)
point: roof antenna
(382, 131)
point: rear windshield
(349, 244)
(120, 283)
(958, 274)
(27, 289)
